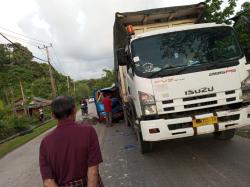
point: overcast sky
(80, 30)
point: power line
(52, 61)
(59, 67)
(22, 39)
(33, 42)
(21, 49)
(59, 61)
(34, 39)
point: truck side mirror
(122, 57)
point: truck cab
(179, 77)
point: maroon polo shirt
(68, 151)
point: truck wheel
(224, 135)
(125, 115)
(126, 120)
(145, 146)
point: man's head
(105, 95)
(63, 107)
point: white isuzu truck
(179, 77)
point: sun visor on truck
(162, 14)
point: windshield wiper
(163, 69)
(184, 68)
(187, 67)
(181, 70)
(207, 64)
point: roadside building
(32, 107)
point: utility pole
(68, 84)
(74, 88)
(12, 101)
(23, 97)
(52, 80)
(22, 92)
(7, 96)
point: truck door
(131, 85)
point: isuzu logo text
(201, 90)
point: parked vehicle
(91, 99)
(179, 77)
(117, 110)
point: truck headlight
(148, 104)
(150, 109)
(245, 87)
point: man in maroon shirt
(108, 109)
(70, 155)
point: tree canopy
(17, 66)
(243, 30)
(85, 88)
(215, 13)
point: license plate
(204, 121)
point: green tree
(88, 86)
(215, 13)
(41, 88)
(243, 30)
(108, 76)
(4, 55)
(82, 91)
(34, 76)
(20, 54)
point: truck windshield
(197, 47)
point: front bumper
(229, 119)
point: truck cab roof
(176, 29)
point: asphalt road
(195, 161)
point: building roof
(36, 102)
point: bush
(12, 125)
(6, 130)
(47, 112)
(20, 123)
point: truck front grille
(200, 104)
(231, 99)
(230, 92)
(180, 126)
(199, 97)
(229, 118)
(168, 108)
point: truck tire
(224, 135)
(145, 146)
(125, 114)
(127, 123)
(132, 116)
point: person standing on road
(108, 109)
(41, 115)
(69, 155)
(84, 106)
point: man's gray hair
(62, 106)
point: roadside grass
(20, 140)
(245, 133)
